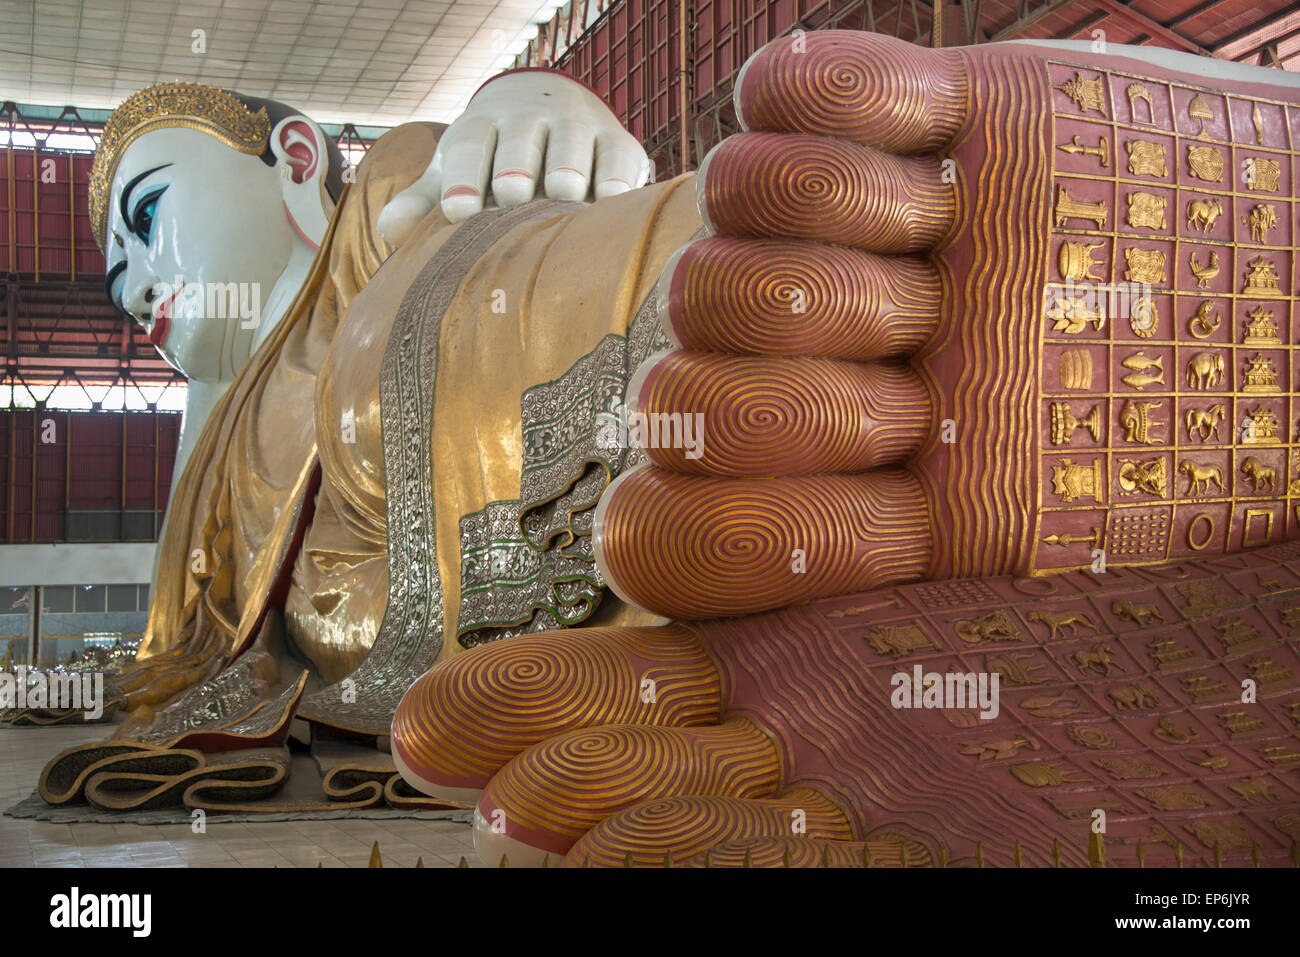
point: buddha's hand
(894, 365)
(884, 376)
(521, 128)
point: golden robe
(524, 309)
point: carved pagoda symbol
(1262, 427)
(1260, 376)
(1087, 93)
(1261, 329)
(1261, 278)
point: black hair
(277, 111)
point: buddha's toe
(687, 826)
(779, 298)
(759, 415)
(462, 721)
(866, 87)
(814, 852)
(694, 547)
(550, 795)
(817, 189)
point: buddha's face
(197, 237)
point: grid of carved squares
(1104, 687)
(1181, 386)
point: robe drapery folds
(466, 395)
(234, 509)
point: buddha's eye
(143, 217)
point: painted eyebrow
(110, 277)
(123, 205)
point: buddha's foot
(1009, 359)
(963, 314)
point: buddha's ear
(302, 157)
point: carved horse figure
(1205, 422)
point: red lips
(162, 318)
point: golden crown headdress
(190, 106)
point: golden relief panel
(1147, 158)
(1168, 419)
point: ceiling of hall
(372, 62)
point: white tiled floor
(347, 843)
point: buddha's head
(194, 189)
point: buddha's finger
(621, 165)
(570, 153)
(783, 298)
(517, 164)
(468, 716)
(550, 795)
(708, 413)
(691, 547)
(814, 188)
(687, 826)
(466, 151)
(401, 214)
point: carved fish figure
(1140, 380)
(1139, 362)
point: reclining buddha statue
(912, 484)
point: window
(123, 597)
(14, 601)
(56, 598)
(90, 598)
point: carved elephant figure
(1205, 370)
(1202, 213)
